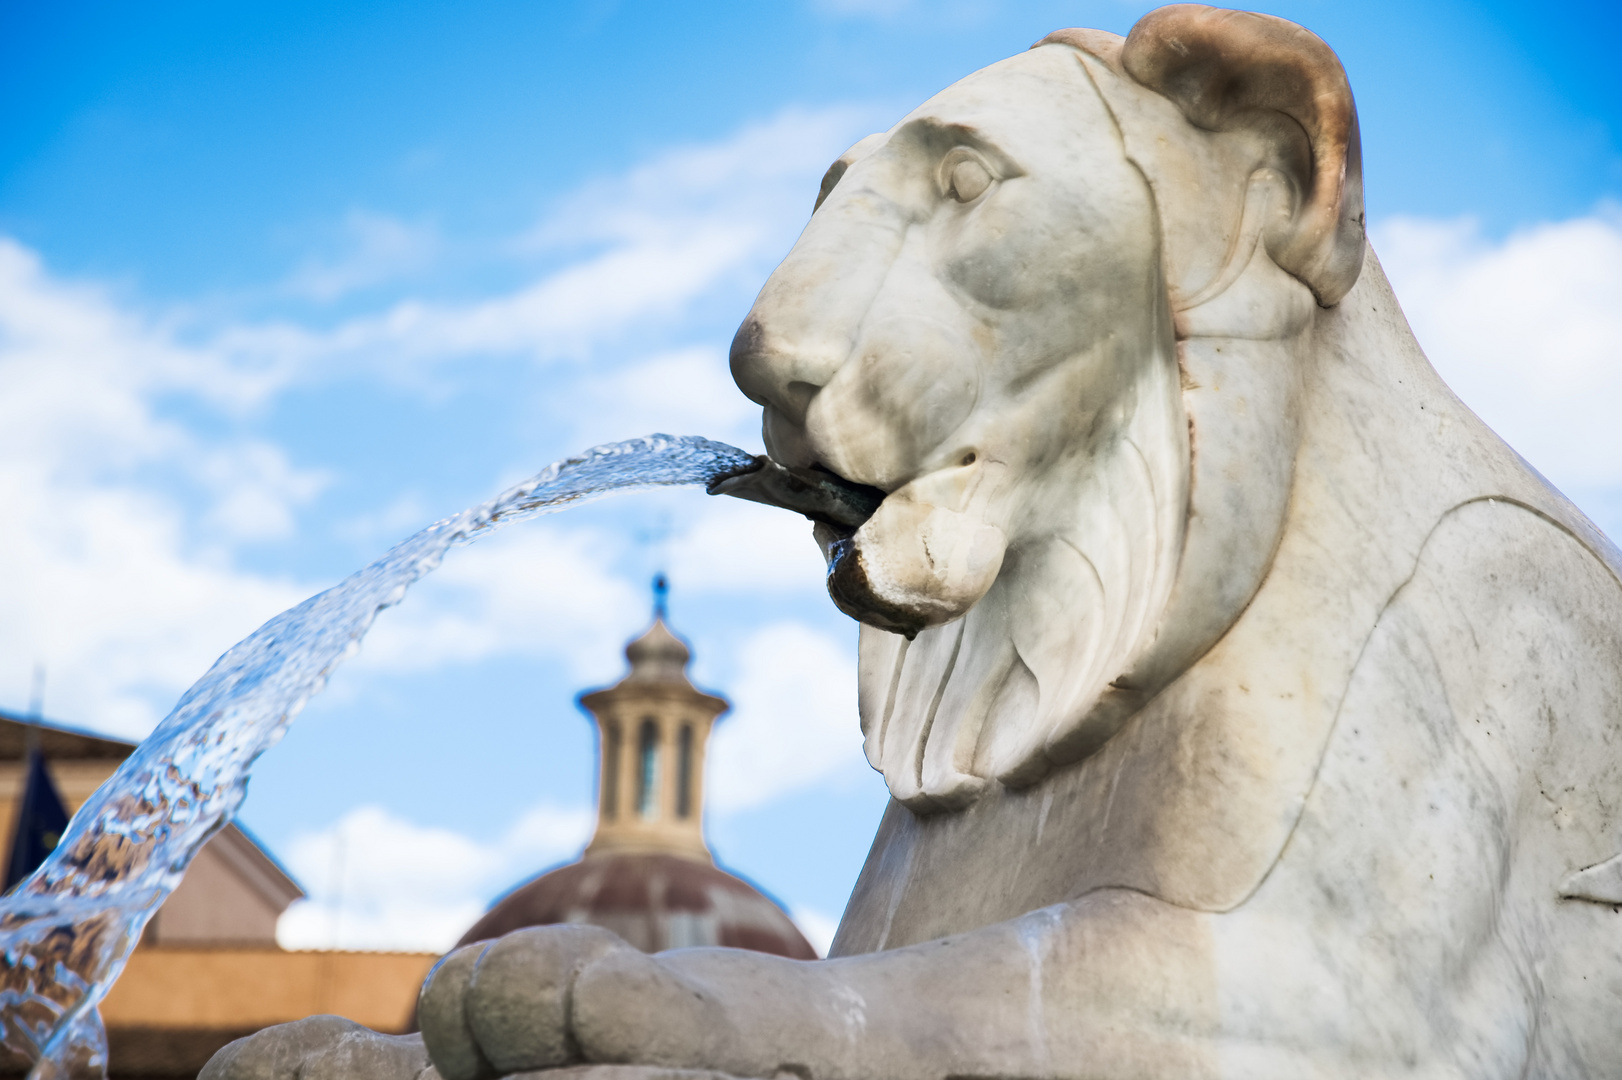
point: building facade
(208, 969)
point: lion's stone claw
(321, 1048)
(496, 1008)
(622, 1072)
(442, 1017)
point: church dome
(654, 902)
(647, 874)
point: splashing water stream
(66, 932)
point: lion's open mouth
(819, 494)
(899, 562)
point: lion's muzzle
(925, 557)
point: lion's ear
(1221, 68)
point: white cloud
(379, 529)
(120, 586)
(255, 489)
(123, 520)
(546, 590)
(378, 881)
(818, 928)
(684, 392)
(794, 723)
(735, 546)
(1527, 330)
(930, 12)
(538, 589)
(380, 248)
(130, 481)
(758, 180)
(562, 314)
(636, 249)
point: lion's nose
(774, 372)
(808, 316)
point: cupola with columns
(653, 728)
(647, 874)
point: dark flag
(41, 820)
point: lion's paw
(621, 1072)
(502, 1007)
(321, 1048)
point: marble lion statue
(1249, 708)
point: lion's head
(1055, 315)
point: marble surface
(1250, 709)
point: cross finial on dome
(661, 593)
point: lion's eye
(968, 179)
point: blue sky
(280, 283)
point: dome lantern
(648, 875)
(653, 731)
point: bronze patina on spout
(820, 496)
